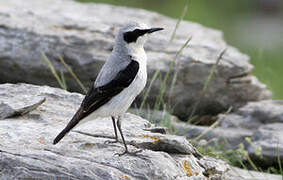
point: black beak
(153, 30)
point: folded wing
(98, 96)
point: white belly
(119, 104)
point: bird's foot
(128, 152)
(111, 142)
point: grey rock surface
(230, 137)
(19, 105)
(83, 35)
(254, 114)
(270, 138)
(237, 173)
(260, 121)
(264, 119)
(26, 150)
(155, 116)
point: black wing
(98, 96)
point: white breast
(119, 104)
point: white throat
(136, 49)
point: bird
(122, 77)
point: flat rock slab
(83, 35)
(18, 105)
(261, 122)
(237, 173)
(254, 114)
(229, 137)
(26, 149)
(264, 120)
(270, 138)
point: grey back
(118, 60)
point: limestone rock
(13, 106)
(264, 119)
(237, 173)
(269, 138)
(230, 137)
(83, 35)
(26, 150)
(261, 121)
(254, 114)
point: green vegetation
(73, 74)
(205, 86)
(61, 79)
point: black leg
(124, 142)
(120, 130)
(115, 130)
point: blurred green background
(255, 27)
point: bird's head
(134, 35)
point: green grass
(73, 75)
(205, 85)
(178, 22)
(160, 101)
(147, 91)
(61, 79)
(238, 157)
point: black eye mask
(132, 36)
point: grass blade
(155, 75)
(176, 72)
(206, 83)
(53, 71)
(73, 74)
(251, 162)
(63, 79)
(178, 22)
(211, 127)
(160, 99)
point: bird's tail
(75, 120)
(61, 135)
